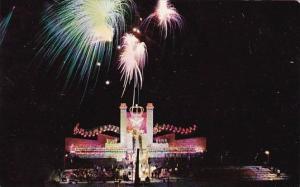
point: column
(149, 124)
(123, 123)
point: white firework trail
(132, 61)
(166, 16)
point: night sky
(233, 70)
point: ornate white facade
(136, 132)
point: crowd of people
(176, 167)
(162, 169)
(87, 175)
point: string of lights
(95, 132)
(112, 128)
(171, 128)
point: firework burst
(84, 32)
(166, 16)
(3, 25)
(132, 61)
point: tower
(149, 124)
(123, 123)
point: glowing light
(3, 25)
(136, 30)
(107, 82)
(267, 152)
(132, 61)
(82, 31)
(166, 16)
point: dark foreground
(186, 184)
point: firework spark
(132, 61)
(84, 32)
(166, 16)
(3, 25)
